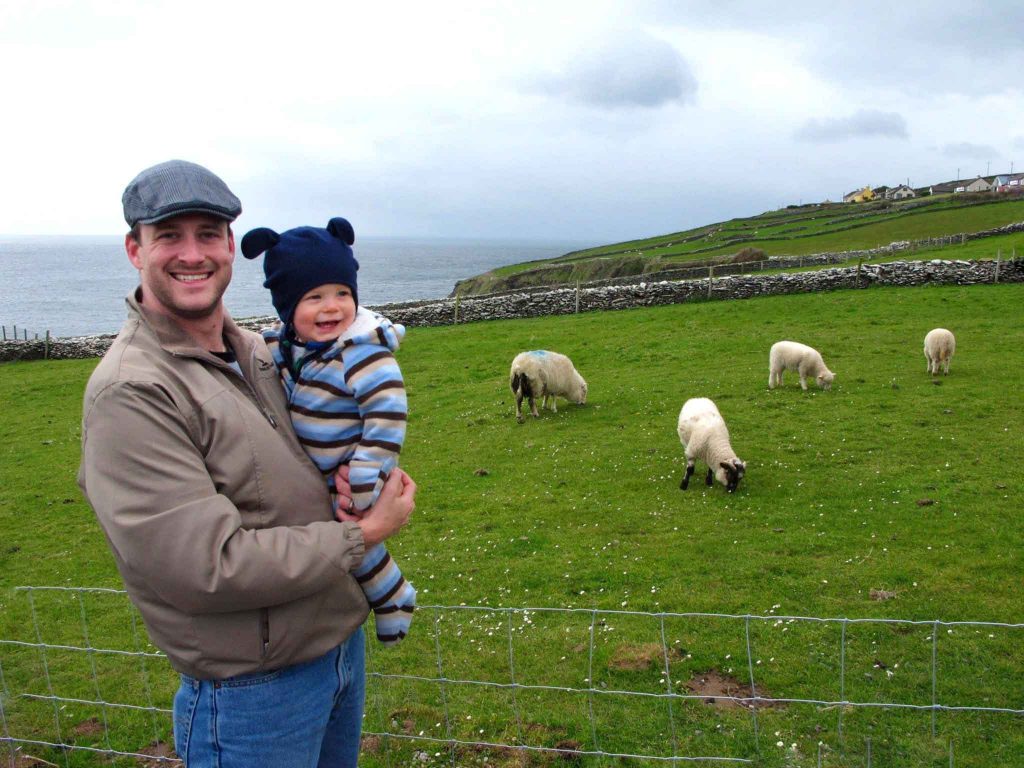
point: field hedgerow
(895, 495)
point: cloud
(626, 71)
(1018, 142)
(863, 122)
(969, 151)
(913, 48)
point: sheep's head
(730, 473)
(825, 379)
(580, 395)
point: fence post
(577, 297)
(25, 332)
(46, 347)
(711, 277)
(15, 332)
(4, 327)
(999, 256)
(456, 320)
(860, 263)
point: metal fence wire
(477, 680)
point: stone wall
(565, 301)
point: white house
(980, 184)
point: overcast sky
(592, 121)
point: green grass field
(892, 482)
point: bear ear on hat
(259, 241)
(342, 230)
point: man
(220, 525)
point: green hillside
(893, 496)
(794, 231)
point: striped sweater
(347, 401)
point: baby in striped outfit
(345, 391)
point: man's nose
(190, 250)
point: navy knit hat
(301, 259)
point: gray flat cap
(177, 187)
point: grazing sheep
(793, 356)
(545, 375)
(939, 346)
(704, 435)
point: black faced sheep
(704, 436)
(545, 375)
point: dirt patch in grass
(160, 751)
(633, 658)
(718, 687)
(89, 727)
(22, 760)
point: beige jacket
(220, 525)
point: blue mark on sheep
(539, 352)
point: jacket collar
(175, 340)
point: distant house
(881, 192)
(859, 195)
(980, 184)
(901, 192)
(946, 187)
(1008, 182)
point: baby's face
(324, 313)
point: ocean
(75, 285)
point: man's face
(184, 264)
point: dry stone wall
(564, 301)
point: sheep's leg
(946, 369)
(771, 379)
(686, 477)
(554, 404)
(533, 408)
(803, 382)
(519, 406)
(709, 479)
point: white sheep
(545, 375)
(939, 346)
(793, 356)
(704, 435)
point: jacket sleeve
(155, 499)
(376, 381)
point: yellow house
(859, 196)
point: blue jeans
(305, 716)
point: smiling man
(220, 525)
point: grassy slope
(804, 232)
(582, 509)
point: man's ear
(131, 247)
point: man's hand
(343, 488)
(389, 513)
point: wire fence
(15, 333)
(569, 682)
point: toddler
(345, 391)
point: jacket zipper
(252, 390)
